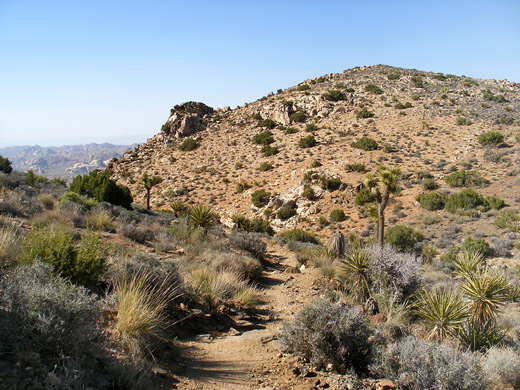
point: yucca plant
(468, 263)
(486, 291)
(479, 336)
(141, 309)
(356, 265)
(428, 253)
(444, 311)
(200, 215)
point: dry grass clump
(502, 367)
(8, 242)
(245, 266)
(214, 287)
(140, 310)
(100, 219)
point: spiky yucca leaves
(479, 336)
(356, 266)
(200, 215)
(469, 262)
(141, 309)
(487, 291)
(444, 311)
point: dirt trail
(252, 359)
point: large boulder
(188, 118)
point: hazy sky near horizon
(95, 71)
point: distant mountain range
(63, 161)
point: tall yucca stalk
(356, 265)
(444, 311)
(486, 291)
(140, 309)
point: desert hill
(425, 123)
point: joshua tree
(149, 182)
(384, 184)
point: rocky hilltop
(425, 123)
(63, 161)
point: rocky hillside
(428, 124)
(64, 161)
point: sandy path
(251, 359)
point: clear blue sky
(93, 71)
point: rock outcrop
(188, 118)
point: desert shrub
(304, 87)
(48, 201)
(5, 165)
(246, 266)
(401, 106)
(166, 128)
(429, 184)
(393, 76)
(311, 127)
(465, 200)
(242, 186)
(259, 198)
(364, 113)
(268, 124)
(493, 202)
(489, 96)
(464, 179)
(334, 95)
(99, 186)
(364, 196)
(285, 212)
(265, 166)
(269, 150)
(355, 167)
(463, 121)
(291, 130)
(365, 143)
(308, 192)
(188, 144)
(307, 142)
(331, 183)
(477, 246)
(134, 232)
(415, 364)
(74, 197)
(402, 237)
(326, 333)
(508, 219)
(417, 81)
(337, 215)
(263, 138)
(373, 89)
(502, 366)
(298, 117)
(300, 235)
(491, 138)
(8, 244)
(55, 247)
(431, 201)
(249, 242)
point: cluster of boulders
(188, 118)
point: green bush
(508, 219)
(55, 247)
(269, 150)
(355, 167)
(493, 202)
(373, 89)
(263, 138)
(334, 95)
(462, 121)
(402, 237)
(465, 200)
(291, 130)
(326, 333)
(304, 87)
(307, 142)
(417, 81)
(242, 186)
(431, 201)
(491, 138)
(166, 128)
(364, 196)
(364, 113)
(401, 106)
(298, 116)
(477, 246)
(285, 212)
(268, 124)
(429, 184)
(464, 179)
(365, 143)
(99, 186)
(5, 165)
(300, 235)
(331, 184)
(308, 192)
(188, 144)
(70, 196)
(337, 215)
(489, 96)
(260, 225)
(311, 127)
(259, 198)
(393, 76)
(265, 166)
